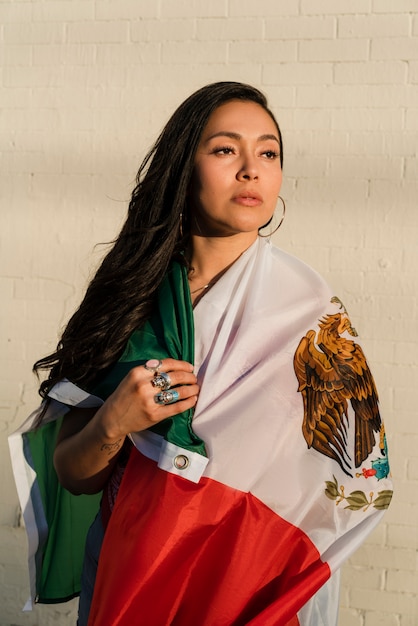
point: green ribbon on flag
(169, 333)
(64, 519)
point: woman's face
(237, 175)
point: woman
(222, 383)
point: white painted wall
(85, 88)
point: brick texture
(85, 88)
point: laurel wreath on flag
(357, 499)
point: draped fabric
(243, 514)
(56, 522)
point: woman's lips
(248, 198)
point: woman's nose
(248, 170)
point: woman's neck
(209, 259)
(210, 255)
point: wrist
(108, 431)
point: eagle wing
(361, 390)
(326, 386)
(324, 402)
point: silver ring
(167, 397)
(161, 380)
(152, 365)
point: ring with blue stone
(167, 397)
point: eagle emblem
(332, 371)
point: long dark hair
(121, 295)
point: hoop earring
(279, 224)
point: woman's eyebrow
(237, 136)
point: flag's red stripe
(176, 554)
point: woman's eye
(223, 150)
(271, 154)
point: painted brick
(13, 99)
(21, 119)
(363, 260)
(298, 74)
(401, 6)
(413, 71)
(312, 119)
(358, 576)
(128, 54)
(388, 119)
(194, 8)
(413, 469)
(400, 536)
(16, 55)
(179, 52)
(411, 121)
(372, 96)
(64, 55)
(403, 445)
(232, 29)
(350, 617)
(306, 167)
(331, 191)
(403, 48)
(97, 32)
(32, 162)
(163, 30)
(300, 27)
(128, 9)
(410, 620)
(371, 73)
(282, 97)
(406, 353)
(333, 49)
(402, 497)
(374, 26)
(393, 558)
(402, 144)
(63, 11)
(319, 7)
(15, 12)
(399, 374)
(22, 76)
(411, 168)
(369, 599)
(266, 8)
(320, 142)
(364, 143)
(39, 289)
(400, 200)
(262, 51)
(372, 167)
(161, 75)
(27, 33)
(377, 618)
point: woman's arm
(90, 440)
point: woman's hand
(132, 406)
(90, 440)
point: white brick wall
(85, 88)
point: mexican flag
(243, 512)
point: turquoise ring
(167, 397)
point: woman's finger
(167, 365)
(185, 397)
